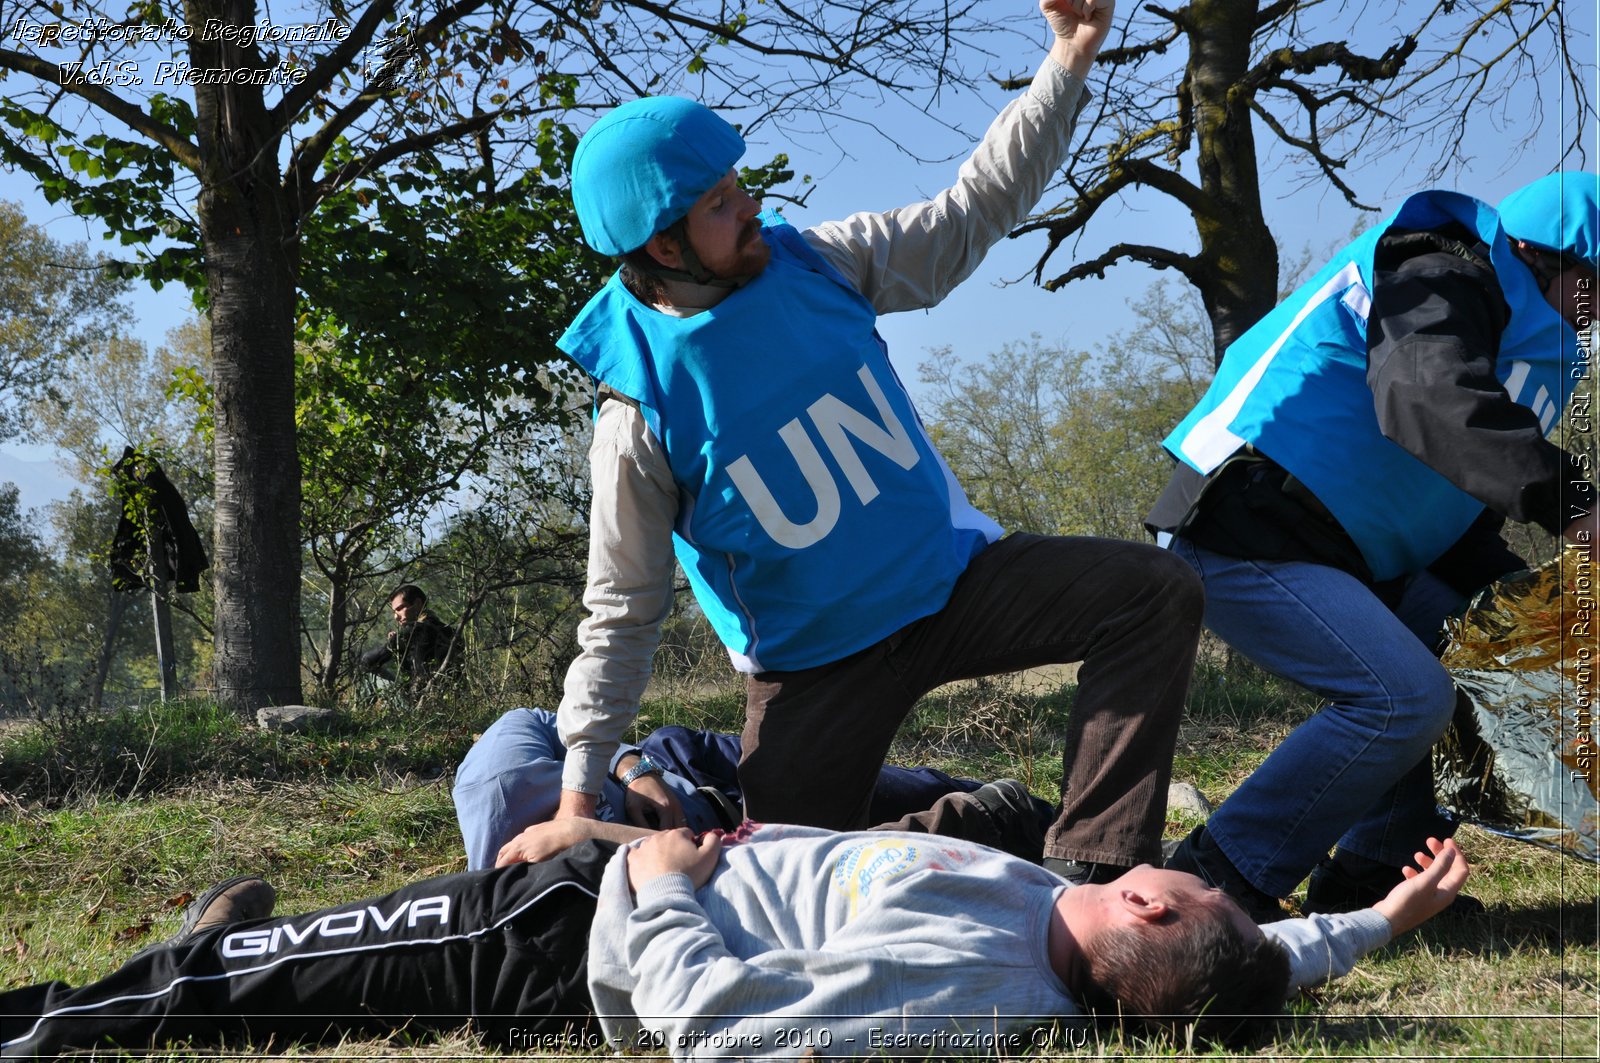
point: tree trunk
(338, 630)
(248, 242)
(1239, 254)
(115, 604)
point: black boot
(1198, 854)
(1346, 882)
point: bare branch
(1158, 257)
(1334, 53)
(1476, 26)
(1461, 94)
(1062, 225)
(1171, 182)
(1131, 53)
(1179, 18)
(841, 56)
(1273, 12)
(1313, 148)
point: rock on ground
(293, 719)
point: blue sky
(858, 167)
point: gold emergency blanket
(1520, 758)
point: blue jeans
(511, 779)
(1358, 772)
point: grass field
(107, 825)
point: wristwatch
(646, 766)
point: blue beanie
(642, 166)
(1558, 212)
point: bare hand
(651, 803)
(674, 851)
(576, 804)
(543, 840)
(1080, 27)
(1426, 892)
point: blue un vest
(815, 517)
(1295, 387)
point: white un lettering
(1542, 405)
(835, 421)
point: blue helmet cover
(644, 164)
(1558, 212)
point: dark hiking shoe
(1199, 854)
(1085, 873)
(234, 900)
(1346, 882)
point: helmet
(1558, 212)
(642, 166)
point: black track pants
(505, 949)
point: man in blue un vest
(1341, 489)
(750, 418)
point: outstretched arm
(911, 257)
(553, 837)
(1322, 947)
(629, 594)
(1428, 889)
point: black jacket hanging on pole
(181, 555)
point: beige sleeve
(912, 257)
(629, 592)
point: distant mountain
(39, 479)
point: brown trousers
(815, 738)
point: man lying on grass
(772, 941)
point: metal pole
(162, 612)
